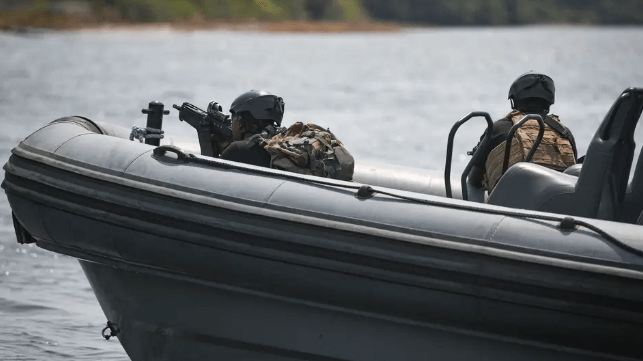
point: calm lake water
(389, 97)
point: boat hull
(178, 319)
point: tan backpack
(309, 149)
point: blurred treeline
(428, 12)
(507, 12)
(161, 10)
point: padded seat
(574, 170)
(532, 186)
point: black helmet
(533, 85)
(261, 105)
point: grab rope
(566, 224)
(141, 133)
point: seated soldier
(301, 148)
(253, 112)
(531, 93)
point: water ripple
(400, 92)
(9, 306)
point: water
(388, 97)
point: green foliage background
(500, 12)
(431, 12)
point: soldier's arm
(499, 134)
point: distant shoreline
(286, 26)
(233, 25)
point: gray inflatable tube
(195, 258)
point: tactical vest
(309, 149)
(555, 151)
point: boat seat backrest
(606, 169)
(599, 189)
(529, 186)
(633, 202)
(574, 170)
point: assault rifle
(213, 127)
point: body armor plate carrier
(556, 151)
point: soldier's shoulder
(230, 151)
(506, 117)
(514, 115)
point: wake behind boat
(193, 257)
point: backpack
(309, 149)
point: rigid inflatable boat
(198, 258)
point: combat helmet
(261, 105)
(532, 85)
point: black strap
(258, 139)
(557, 126)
